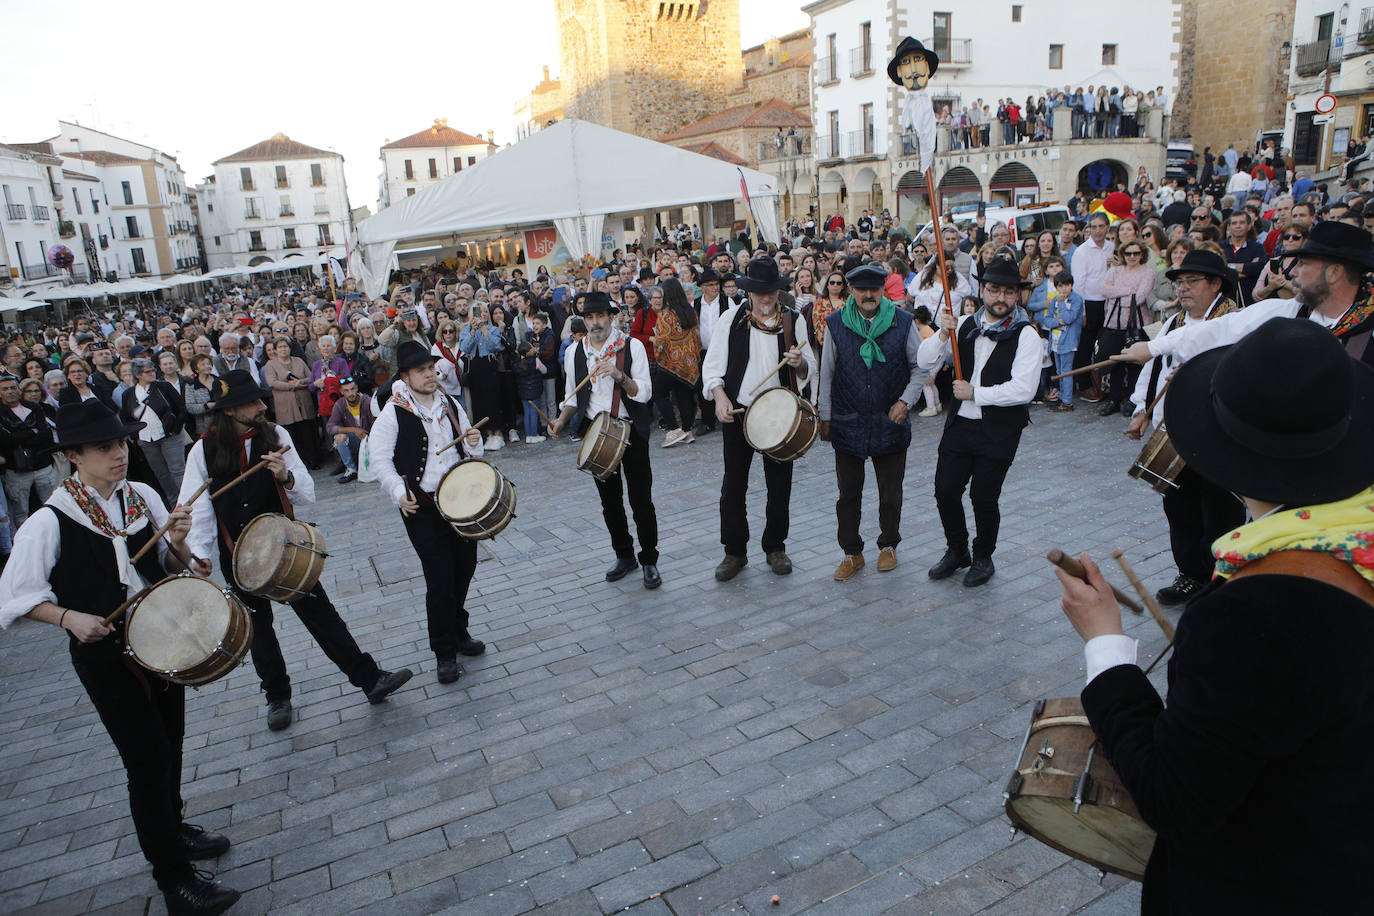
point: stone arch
(1013, 180)
(959, 186)
(833, 193)
(913, 200)
(260, 259)
(1092, 175)
(804, 185)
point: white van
(1022, 221)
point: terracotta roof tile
(103, 157)
(772, 113)
(715, 151)
(440, 134)
(277, 146)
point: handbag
(1111, 341)
(366, 471)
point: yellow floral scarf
(1343, 529)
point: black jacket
(163, 400)
(23, 442)
(1256, 775)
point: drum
(278, 558)
(188, 630)
(476, 499)
(603, 445)
(1066, 795)
(781, 425)
(1158, 463)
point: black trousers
(708, 403)
(1094, 311)
(147, 728)
(636, 476)
(777, 476)
(890, 472)
(669, 390)
(1199, 512)
(448, 562)
(325, 626)
(970, 457)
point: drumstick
(477, 425)
(776, 369)
(115, 614)
(1102, 365)
(245, 475)
(1145, 596)
(1075, 568)
(542, 416)
(568, 398)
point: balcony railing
(283, 183)
(65, 229)
(317, 182)
(40, 212)
(828, 146)
(39, 271)
(956, 52)
(827, 71)
(257, 246)
(16, 211)
(247, 186)
(321, 208)
(287, 211)
(326, 240)
(1313, 57)
(133, 233)
(861, 61)
(251, 214)
(795, 145)
(140, 270)
(858, 143)
(291, 243)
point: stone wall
(791, 85)
(1180, 121)
(1239, 75)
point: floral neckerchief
(614, 344)
(134, 509)
(1343, 529)
(1358, 313)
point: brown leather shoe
(887, 559)
(852, 563)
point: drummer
(745, 348)
(619, 367)
(1254, 772)
(70, 567)
(419, 419)
(1198, 511)
(239, 437)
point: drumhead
(259, 550)
(770, 418)
(590, 437)
(178, 623)
(1098, 834)
(466, 490)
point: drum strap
(453, 419)
(789, 340)
(1309, 564)
(615, 389)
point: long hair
(675, 301)
(222, 445)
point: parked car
(1022, 221)
(1180, 161)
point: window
(1324, 24)
(942, 31)
(250, 209)
(246, 178)
(433, 168)
(77, 200)
(325, 237)
(316, 175)
(321, 205)
(131, 226)
(95, 204)
(286, 209)
(830, 55)
(472, 160)
(290, 236)
(1109, 55)
(410, 171)
(255, 240)
(457, 163)
(1056, 57)
(128, 192)
(866, 116)
(834, 121)
(866, 43)
(140, 264)
(1016, 12)
(410, 192)
(216, 241)
(281, 177)
(19, 252)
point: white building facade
(29, 225)
(415, 162)
(276, 200)
(1333, 52)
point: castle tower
(647, 67)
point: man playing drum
(619, 367)
(70, 567)
(869, 380)
(418, 420)
(1254, 774)
(239, 437)
(1198, 510)
(1000, 351)
(742, 359)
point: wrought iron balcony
(16, 211)
(1313, 57)
(953, 52)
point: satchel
(1134, 332)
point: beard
(1313, 296)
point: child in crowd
(545, 347)
(1062, 318)
(932, 395)
(578, 329)
(529, 387)
(970, 305)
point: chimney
(546, 73)
(491, 136)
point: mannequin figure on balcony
(911, 67)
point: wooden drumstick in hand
(478, 425)
(776, 369)
(1071, 566)
(1155, 612)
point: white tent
(572, 174)
(17, 304)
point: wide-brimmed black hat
(1003, 272)
(1283, 416)
(1205, 262)
(910, 45)
(411, 354)
(710, 276)
(867, 276)
(598, 301)
(1337, 241)
(761, 276)
(239, 388)
(87, 422)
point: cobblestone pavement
(697, 749)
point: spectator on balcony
(1102, 113)
(1078, 114)
(975, 124)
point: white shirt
(710, 315)
(25, 583)
(1168, 364)
(201, 540)
(1108, 651)
(153, 431)
(1089, 268)
(1200, 337)
(763, 358)
(603, 388)
(439, 432)
(1025, 369)
(447, 371)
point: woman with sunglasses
(1126, 288)
(1163, 300)
(1273, 281)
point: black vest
(86, 576)
(412, 444)
(1357, 341)
(737, 357)
(1000, 421)
(639, 413)
(256, 495)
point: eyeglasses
(1292, 237)
(1197, 217)
(1134, 253)
(835, 282)
(346, 380)
(1190, 281)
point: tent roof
(574, 168)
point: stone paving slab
(698, 749)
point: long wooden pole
(939, 242)
(1102, 365)
(1074, 568)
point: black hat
(1284, 415)
(867, 276)
(710, 276)
(412, 353)
(598, 301)
(761, 276)
(87, 422)
(910, 45)
(1205, 262)
(239, 388)
(1003, 272)
(1338, 241)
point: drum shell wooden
(278, 558)
(1158, 463)
(491, 518)
(804, 430)
(1107, 831)
(213, 653)
(603, 445)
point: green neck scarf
(854, 320)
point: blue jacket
(1057, 314)
(487, 343)
(861, 396)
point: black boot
(622, 568)
(952, 561)
(198, 894)
(198, 844)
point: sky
(204, 80)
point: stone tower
(647, 67)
